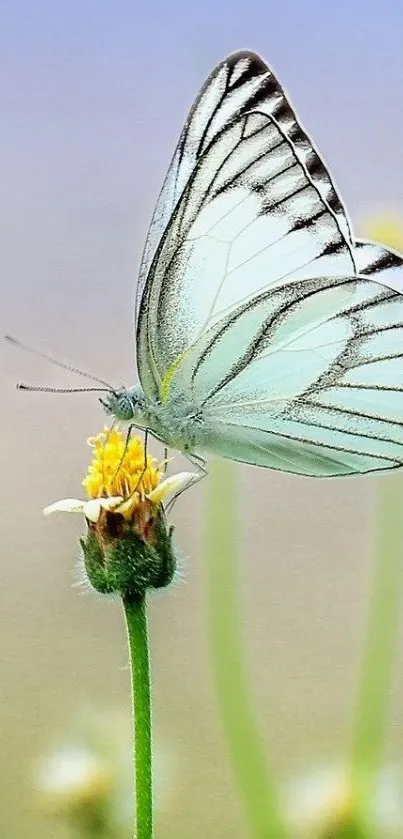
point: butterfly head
(126, 405)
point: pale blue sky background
(93, 95)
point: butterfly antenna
(57, 363)
(40, 389)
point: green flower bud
(118, 559)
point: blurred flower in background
(386, 228)
(321, 805)
(86, 780)
(73, 777)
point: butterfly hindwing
(318, 386)
(384, 266)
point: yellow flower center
(119, 467)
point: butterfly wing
(247, 203)
(241, 305)
(384, 266)
(258, 210)
(307, 378)
(240, 84)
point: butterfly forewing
(254, 302)
(249, 219)
(242, 83)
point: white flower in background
(323, 800)
(91, 774)
(71, 778)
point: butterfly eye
(124, 408)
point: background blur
(93, 96)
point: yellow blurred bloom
(385, 228)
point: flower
(120, 478)
(386, 228)
(72, 777)
(323, 804)
(128, 546)
(87, 776)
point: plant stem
(247, 751)
(136, 622)
(379, 655)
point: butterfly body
(265, 331)
(175, 423)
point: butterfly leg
(129, 432)
(147, 434)
(145, 460)
(158, 439)
(108, 433)
(128, 435)
(200, 464)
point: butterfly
(265, 332)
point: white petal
(171, 485)
(111, 502)
(66, 505)
(92, 508)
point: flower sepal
(118, 560)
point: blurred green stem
(247, 750)
(380, 645)
(136, 622)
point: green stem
(247, 751)
(379, 655)
(136, 622)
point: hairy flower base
(118, 560)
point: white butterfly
(265, 332)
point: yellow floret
(117, 467)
